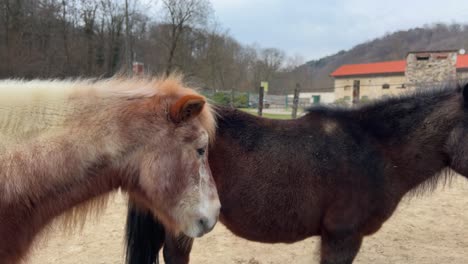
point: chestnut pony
(69, 143)
(334, 173)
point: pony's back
(29, 109)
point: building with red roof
(361, 82)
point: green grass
(277, 116)
(267, 115)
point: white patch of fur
(329, 126)
(208, 201)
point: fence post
(261, 91)
(233, 95)
(356, 91)
(296, 100)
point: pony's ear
(186, 107)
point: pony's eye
(201, 151)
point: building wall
(370, 87)
(462, 75)
(325, 97)
(439, 67)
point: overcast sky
(315, 29)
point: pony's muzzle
(206, 220)
(205, 225)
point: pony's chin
(196, 231)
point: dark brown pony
(334, 173)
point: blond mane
(29, 108)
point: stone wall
(462, 76)
(430, 68)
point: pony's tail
(144, 237)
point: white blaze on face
(206, 210)
(209, 200)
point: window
(347, 88)
(386, 86)
(442, 56)
(423, 56)
(315, 99)
(403, 86)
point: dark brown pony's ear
(186, 108)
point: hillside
(392, 46)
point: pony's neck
(53, 173)
(413, 133)
(24, 219)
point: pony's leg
(177, 249)
(339, 247)
(145, 237)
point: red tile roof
(370, 68)
(387, 67)
(462, 61)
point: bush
(342, 102)
(222, 98)
(241, 100)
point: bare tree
(88, 14)
(128, 48)
(296, 72)
(113, 15)
(6, 14)
(271, 60)
(181, 14)
(51, 38)
(67, 22)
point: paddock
(425, 230)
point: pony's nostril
(203, 222)
(205, 225)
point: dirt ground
(425, 230)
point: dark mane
(395, 116)
(413, 98)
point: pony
(68, 144)
(335, 173)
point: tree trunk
(7, 36)
(176, 31)
(128, 48)
(65, 37)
